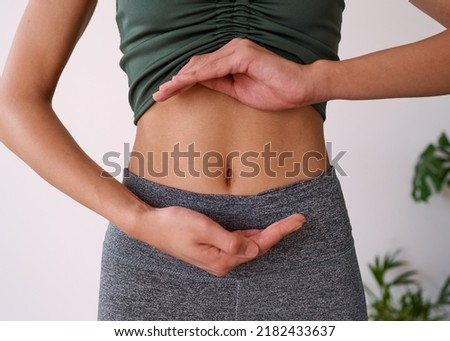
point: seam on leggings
(238, 293)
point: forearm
(417, 69)
(30, 128)
(439, 10)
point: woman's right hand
(198, 240)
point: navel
(229, 176)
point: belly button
(229, 176)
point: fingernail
(252, 250)
(302, 219)
(300, 216)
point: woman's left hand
(249, 73)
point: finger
(181, 83)
(166, 91)
(211, 80)
(212, 67)
(198, 61)
(221, 263)
(239, 86)
(230, 243)
(277, 231)
(216, 68)
(173, 87)
(233, 48)
(248, 233)
(218, 64)
(224, 85)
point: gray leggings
(312, 274)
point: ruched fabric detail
(158, 37)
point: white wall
(383, 140)
(50, 246)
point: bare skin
(437, 9)
(223, 122)
(252, 150)
(32, 130)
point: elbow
(8, 103)
(17, 105)
(5, 108)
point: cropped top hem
(159, 37)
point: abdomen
(207, 142)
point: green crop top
(158, 37)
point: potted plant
(399, 296)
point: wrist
(324, 76)
(136, 219)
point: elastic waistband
(325, 235)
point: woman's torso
(204, 141)
(188, 141)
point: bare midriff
(206, 142)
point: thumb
(224, 85)
(278, 230)
(232, 243)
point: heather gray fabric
(312, 274)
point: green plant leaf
(437, 180)
(444, 294)
(443, 141)
(405, 278)
(432, 170)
